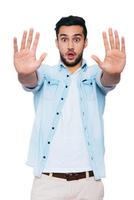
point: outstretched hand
(25, 59)
(115, 56)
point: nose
(70, 44)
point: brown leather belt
(71, 176)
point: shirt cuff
(105, 89)
(38, 86)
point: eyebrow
(62, 35)
(77, 34)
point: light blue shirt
(69, 133)
(49, 97)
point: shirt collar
(83, 66)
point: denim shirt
(49, 97)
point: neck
(74, 68)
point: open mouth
(71, 55)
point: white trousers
(51, 188)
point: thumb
(97, 60)
(42, 57)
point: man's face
(71, 44)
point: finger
(111, 38)
(23, 41)
(97, 60)
(105, 41)
(15, 45)
(117, 41)
(42, 57)
(36, 40)
(123, 44)
(30, 37)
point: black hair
(69, 21)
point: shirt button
(48, 82)
(91, 83)
(52, 127)
(88, 143)
(67, 75)
(57, 113)
(83, 113)
(66, 86)
(48, 142)
(62, 98)
(44, 157)
(92, 158)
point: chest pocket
(88, 86)
(51, 89)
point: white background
(16, 107)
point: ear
(56, 42)
(86, 43)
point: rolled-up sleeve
(105, 89)
(40, 75)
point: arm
(29, 80)
(110, 80)
(115, 59)
(25, 60)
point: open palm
(115, 57)
(25, 59)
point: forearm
(29, 80)
(110, 79)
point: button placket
(57, 114)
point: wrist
(110, 79)
(29, 80)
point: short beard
(71, 64)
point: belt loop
(50, 174)
(87, 174)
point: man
(67, 147)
